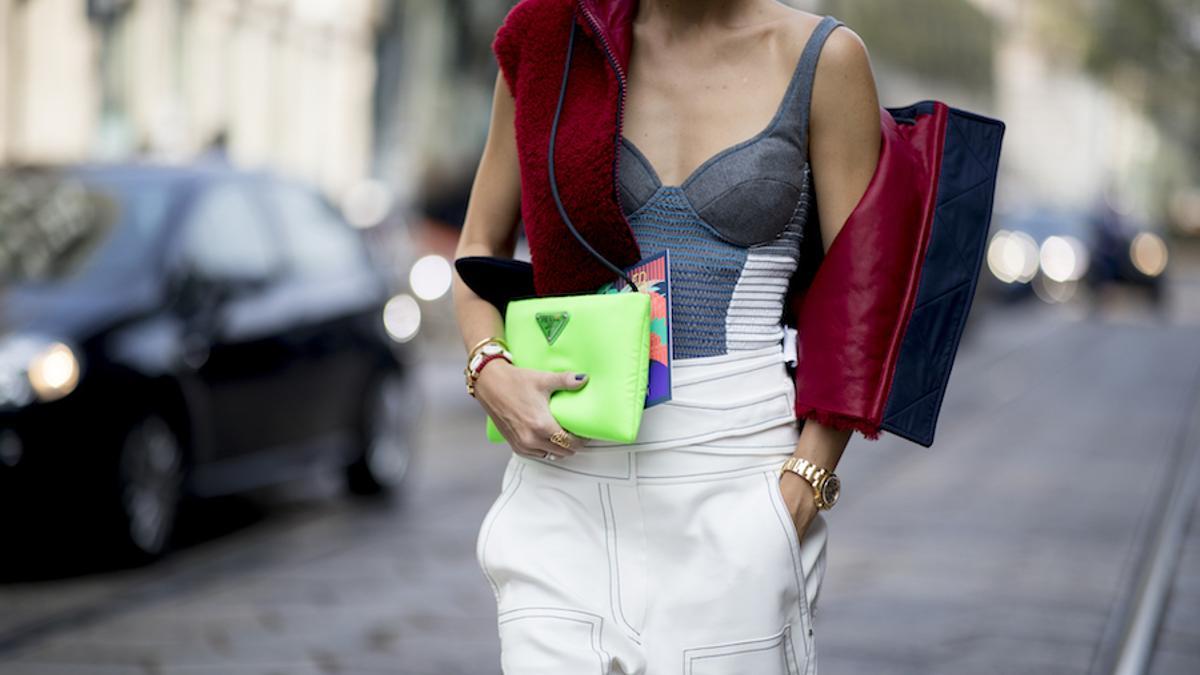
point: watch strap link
(815, 475)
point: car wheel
(385, 436)
(149, 485)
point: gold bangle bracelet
(479, 345)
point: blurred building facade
(433, 99)
(1074, 135)
(281, 83)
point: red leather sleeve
(851, 319)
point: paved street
(1011, 546)
(1178, 646)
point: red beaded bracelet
(482, 360)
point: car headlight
(430, 277)
(1063, 258)
(1012, 256)
(35, 367)
(1149, 253)
(402, 317)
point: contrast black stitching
(789, 651)
(720, 472)
(747, 646)
(507, 495)
(594, 621)
(614, 564)
(785, 521)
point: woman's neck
(683, 16)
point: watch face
(831, 490)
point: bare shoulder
(844, 91)
(844, 59)
(844, 55)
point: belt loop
(789, 346)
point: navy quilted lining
(953, 262)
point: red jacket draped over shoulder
(852, 314)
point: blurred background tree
(1151, 48)
(949, 40)
(1148, 50)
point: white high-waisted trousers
(672, 554)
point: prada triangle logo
(552, 324)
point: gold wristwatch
(484, 351)
(825, 483)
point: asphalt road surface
(1013, 545)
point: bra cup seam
(694, 214)
(632, 198)
(704, 221)
(787, 227)
(799, 215)
(650, 200)
(644, 161)
(791, 214)
(801, 199)
(727, 190)
(727, 152)
(711, 161)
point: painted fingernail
(580, 376)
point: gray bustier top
(733, 227)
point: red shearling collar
(614, 19)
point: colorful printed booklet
(652, 276)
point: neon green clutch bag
(606, 336)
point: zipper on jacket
(612, 60)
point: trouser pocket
(551, 641)
(768, 655)
(791, 539)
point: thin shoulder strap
(806, 71)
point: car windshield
(91, 226)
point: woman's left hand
(798, 495)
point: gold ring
(561, 438)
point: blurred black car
(167, 332)
(1054, 247)
(1125, 250)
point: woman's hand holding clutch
(518, 400)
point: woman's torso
(733, 226)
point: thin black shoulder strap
(562, 211)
